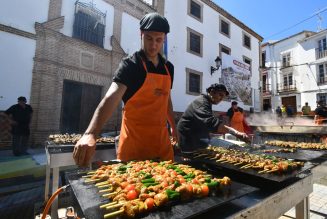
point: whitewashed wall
(23, 14)
(305, 74)
(68, 10)
(130, 34)
(16, 64)
(178, 55)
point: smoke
(270, 119)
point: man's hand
(84, 150)
(174, 135)
(241, 135)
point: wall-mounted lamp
(218, 64)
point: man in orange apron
(236, 117)
(143, 81)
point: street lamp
(218, 64)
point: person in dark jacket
(21, 115)
(198, 120)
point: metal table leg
(302, 209)
(47, 181)
(55, 183)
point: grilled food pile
(142, 186)
(245, 160)
(293, 144)
(73, 138)
(282, 150)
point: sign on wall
(236, 75)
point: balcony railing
(321, 53)
(281, 87)
(266, 89)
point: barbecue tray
(54, 148)
(89, 200)
(276, 177)
(299, 154)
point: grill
(89, 199)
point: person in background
(283, 108)
(143, 81)
(306, 109)
(198, 120)
(236, 117)
(289, 111)
(320, 113)
(279, 111)
(21, 116)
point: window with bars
(193, 82)
(195, 10)
(194, 42)
(89, 24)
(224, 49)
(322, 73)
(246, 41)
(322, 45)
(224, 27)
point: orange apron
(144, 133)
(237, 121)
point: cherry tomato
(181, 180)
(195, 181)
(123, 185)
(164, 184)
(204, 190)
(130, 187)
(132, 194)
(190, 188)
(149, 203)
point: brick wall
(5, 135)
(59, 58)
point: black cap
(154, 22)
(21, 99)
(234, 103)
(217, 87)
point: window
(322, 97)
(224, 27)
(248, 61)
(263, 59)
(195, 9)
(193, 82)
(194, 42)
(286, 60)
(322, 73)
(224, 49)
(288, 80)
(322, 45)
(89, 24)
(246, 41)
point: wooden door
(290, 101)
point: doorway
(79, 103)
(290, 101)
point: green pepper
(207, 180)
(212, 184)
(170, 166)
(176, 183)
(151, 180)
(150, 184)
(189, 176)
(180, 172)
(172, 195)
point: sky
(269, 18)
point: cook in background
(198, 120)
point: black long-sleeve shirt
(196, 123)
